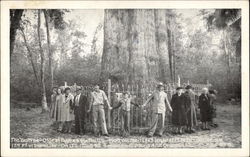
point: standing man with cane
(160, 100)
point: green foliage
(197, 59)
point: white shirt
(160, 99)
(77, 99)
(98, 98)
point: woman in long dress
(190, 109)
(67, 110)
(205, 109)
(178, 114)
(212, 95)
(58, 109)
(52, 104)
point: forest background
(49, 47)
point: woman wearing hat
(204, 105)
(189, 100)
(52, 104)
(67, 110)
(58, 109)
(212, 95)
(178, 115)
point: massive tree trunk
(46, 17)
(15, 18)
(161, 43)
(130, 42)
(44, 101)
(31, 58)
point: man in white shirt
(160, 100)
(98, 99)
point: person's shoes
(107, 135)
(180, 132)
(207, 129)
(187, 131)
(214, 125)
(149, 136)
(192, 131)
(158, 135)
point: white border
(5, 81)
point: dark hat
(54, 87)
(78, 88)
(178, 88)
(188, 87)
(67, 88)
(212, 91)
(126, 92)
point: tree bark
(227, 54)
(133, 31)
(161, 43)
(31, 58)
(130, 42)
(173, 57)
(14, 25)
(46, 17)
(44, 101)
(170, 54)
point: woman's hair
(54, 88)
(67, 88)
(60, 90)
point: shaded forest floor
(30, 129)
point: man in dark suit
(80, 103)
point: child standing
(125, 104)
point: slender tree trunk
(173, 59)
(170, 54)
(227, 54)
(31, 58)
(14, 25)
(46, 17)
(44, 101)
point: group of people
(184, 115)
(66, 108)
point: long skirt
(179, 116)
(58, 108)
(191, 116)
(52, 110)
(206, 115)
(67, 114)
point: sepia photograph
(125, 78)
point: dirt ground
(30, 129)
